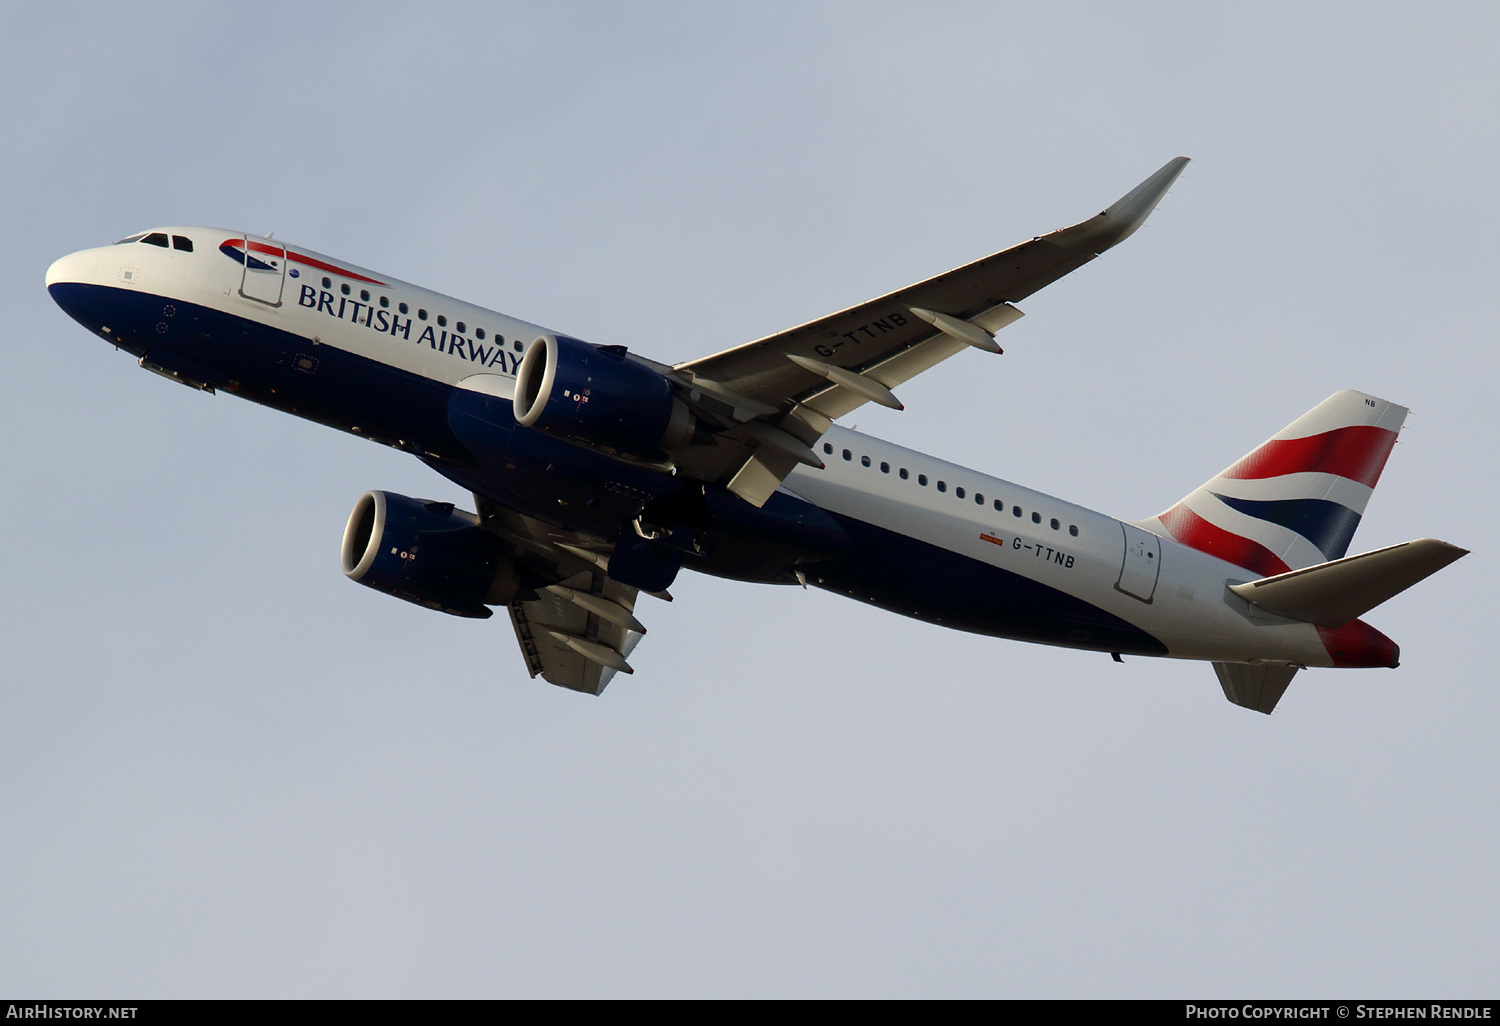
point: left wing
(777, 395)
(569, 633)
(579, 625)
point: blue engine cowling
(428, 553)
(598, 396)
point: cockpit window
(156, 239)
(183, 243)
(131, 238)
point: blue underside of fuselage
(928, 582)
(473, 440)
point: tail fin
(1296, 500)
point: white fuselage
(1134, 571)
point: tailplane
(1296, 500)
(1332, 594)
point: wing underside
(575, 624)
(568, 645)
(775, 396)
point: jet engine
(428, 553)
(597, 395)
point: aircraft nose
(73, 269)
(73, 284)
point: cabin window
(460, 327)
(1016, 510)
(479, 334)
(864, 461)
(421, 314)
(183, 243)
(959, 491)
(827, 449)
(922, 480)
(1036, 518)
(1055, 525)
(442, 321)
(978, 499)
(516, 345)
(942, 486)
(328, 283)
(156, 239)
(402, 307)
(1073, 530)
(385, 301)
(848, 455)
(345, 289)
(904, 474)
(364, 295)
(885, 468)
(999, 506)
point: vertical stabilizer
(1296, 500)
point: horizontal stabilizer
(1255, 687)
(1332, 594)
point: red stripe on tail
(1197, 533)
(1358, 453)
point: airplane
(598, 474)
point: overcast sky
(227, 771)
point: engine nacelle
(599, 396)
(428, 553)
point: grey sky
(225, 770)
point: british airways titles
(346, 308)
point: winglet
(1129, 212)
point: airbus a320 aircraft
(598, 474)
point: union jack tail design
(1296, 500)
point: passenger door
(265, 270)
